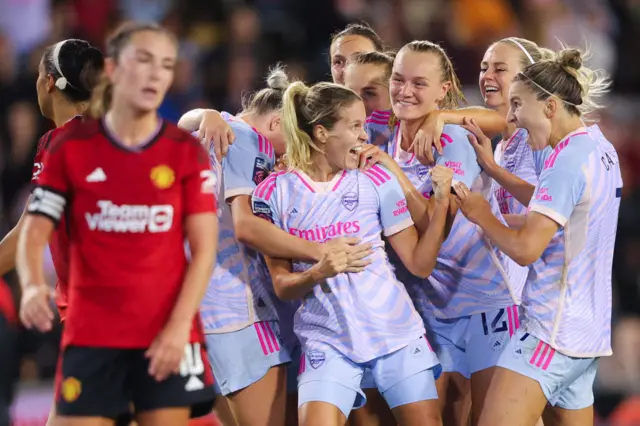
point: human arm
(9, 246)
(213, 131)
(429, 134)
(518, 188)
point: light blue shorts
(241, 358)
(566, 381)
(293, 370)
(402, 377)
(472, 343)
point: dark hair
(384, 59)
(270, 98)
(303, 108)
(75, 66)
(454, 97)
(101, 99)
(566, 78)
(360, 29)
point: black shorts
(104, 382)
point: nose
(511, 116)
(405, 90)
(363, 135)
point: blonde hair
(530, 52)
(103, 92)
(568, 79)
(305, 107)
(454, 97)
(270, 98)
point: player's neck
(320, 170)
(563, 128)
(409, 128)
(131, 130)
(65, 111)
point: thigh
(192, 388)
(92, 382)
(223, 412)
(164, 417)
(394, 371)
(241, 358)
(326, 376)
(454, 398)
(512, 400)
(264, 402)
(487, 335)
(557, 416)
(376, 411)
(447, 338)
(414, 400)
(293, 370)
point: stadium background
(225, 49)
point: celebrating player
(467, 302)
(134, 188)
(368, 75)
(567, 238)
(349, 322)
(354, 39)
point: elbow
(422, 269)
(525, 256)
(244, 231)
(281, 289)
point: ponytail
(299, 142)
(101, 98)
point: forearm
(509, 241)
(8, 248)
(191, 120)
(29, 261)
(296, 285)
(520, 189)
(272, 241)
(428, 247)
(193, 288)
(490, 121)
(515, 221)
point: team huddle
(347, 252)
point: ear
(274, 122)
(109, 67)
(320, 134)
(551, 106)
(50, 84)
(446, 86)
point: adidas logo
(519, 351)
(496, 344)
(261, 303)
(97, 175)
(293, 211)
(193, 384)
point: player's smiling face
(416, 85)
(527, 112)
(501, 62)
(345, 140)
(368, 81)
(145, 70)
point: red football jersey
(59, 242)
(126, 209)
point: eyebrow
(495, 63)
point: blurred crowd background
(226, 47)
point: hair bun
(277, 78)
(570, 58)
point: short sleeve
(394, 213)
(53, 185)
(378, 130)
(249, 161)
(263, 200)
(458, 155)
(38, 160)
(199, 183)
(559, 191)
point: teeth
(490, 89)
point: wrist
(317, 251)
(315, 274)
